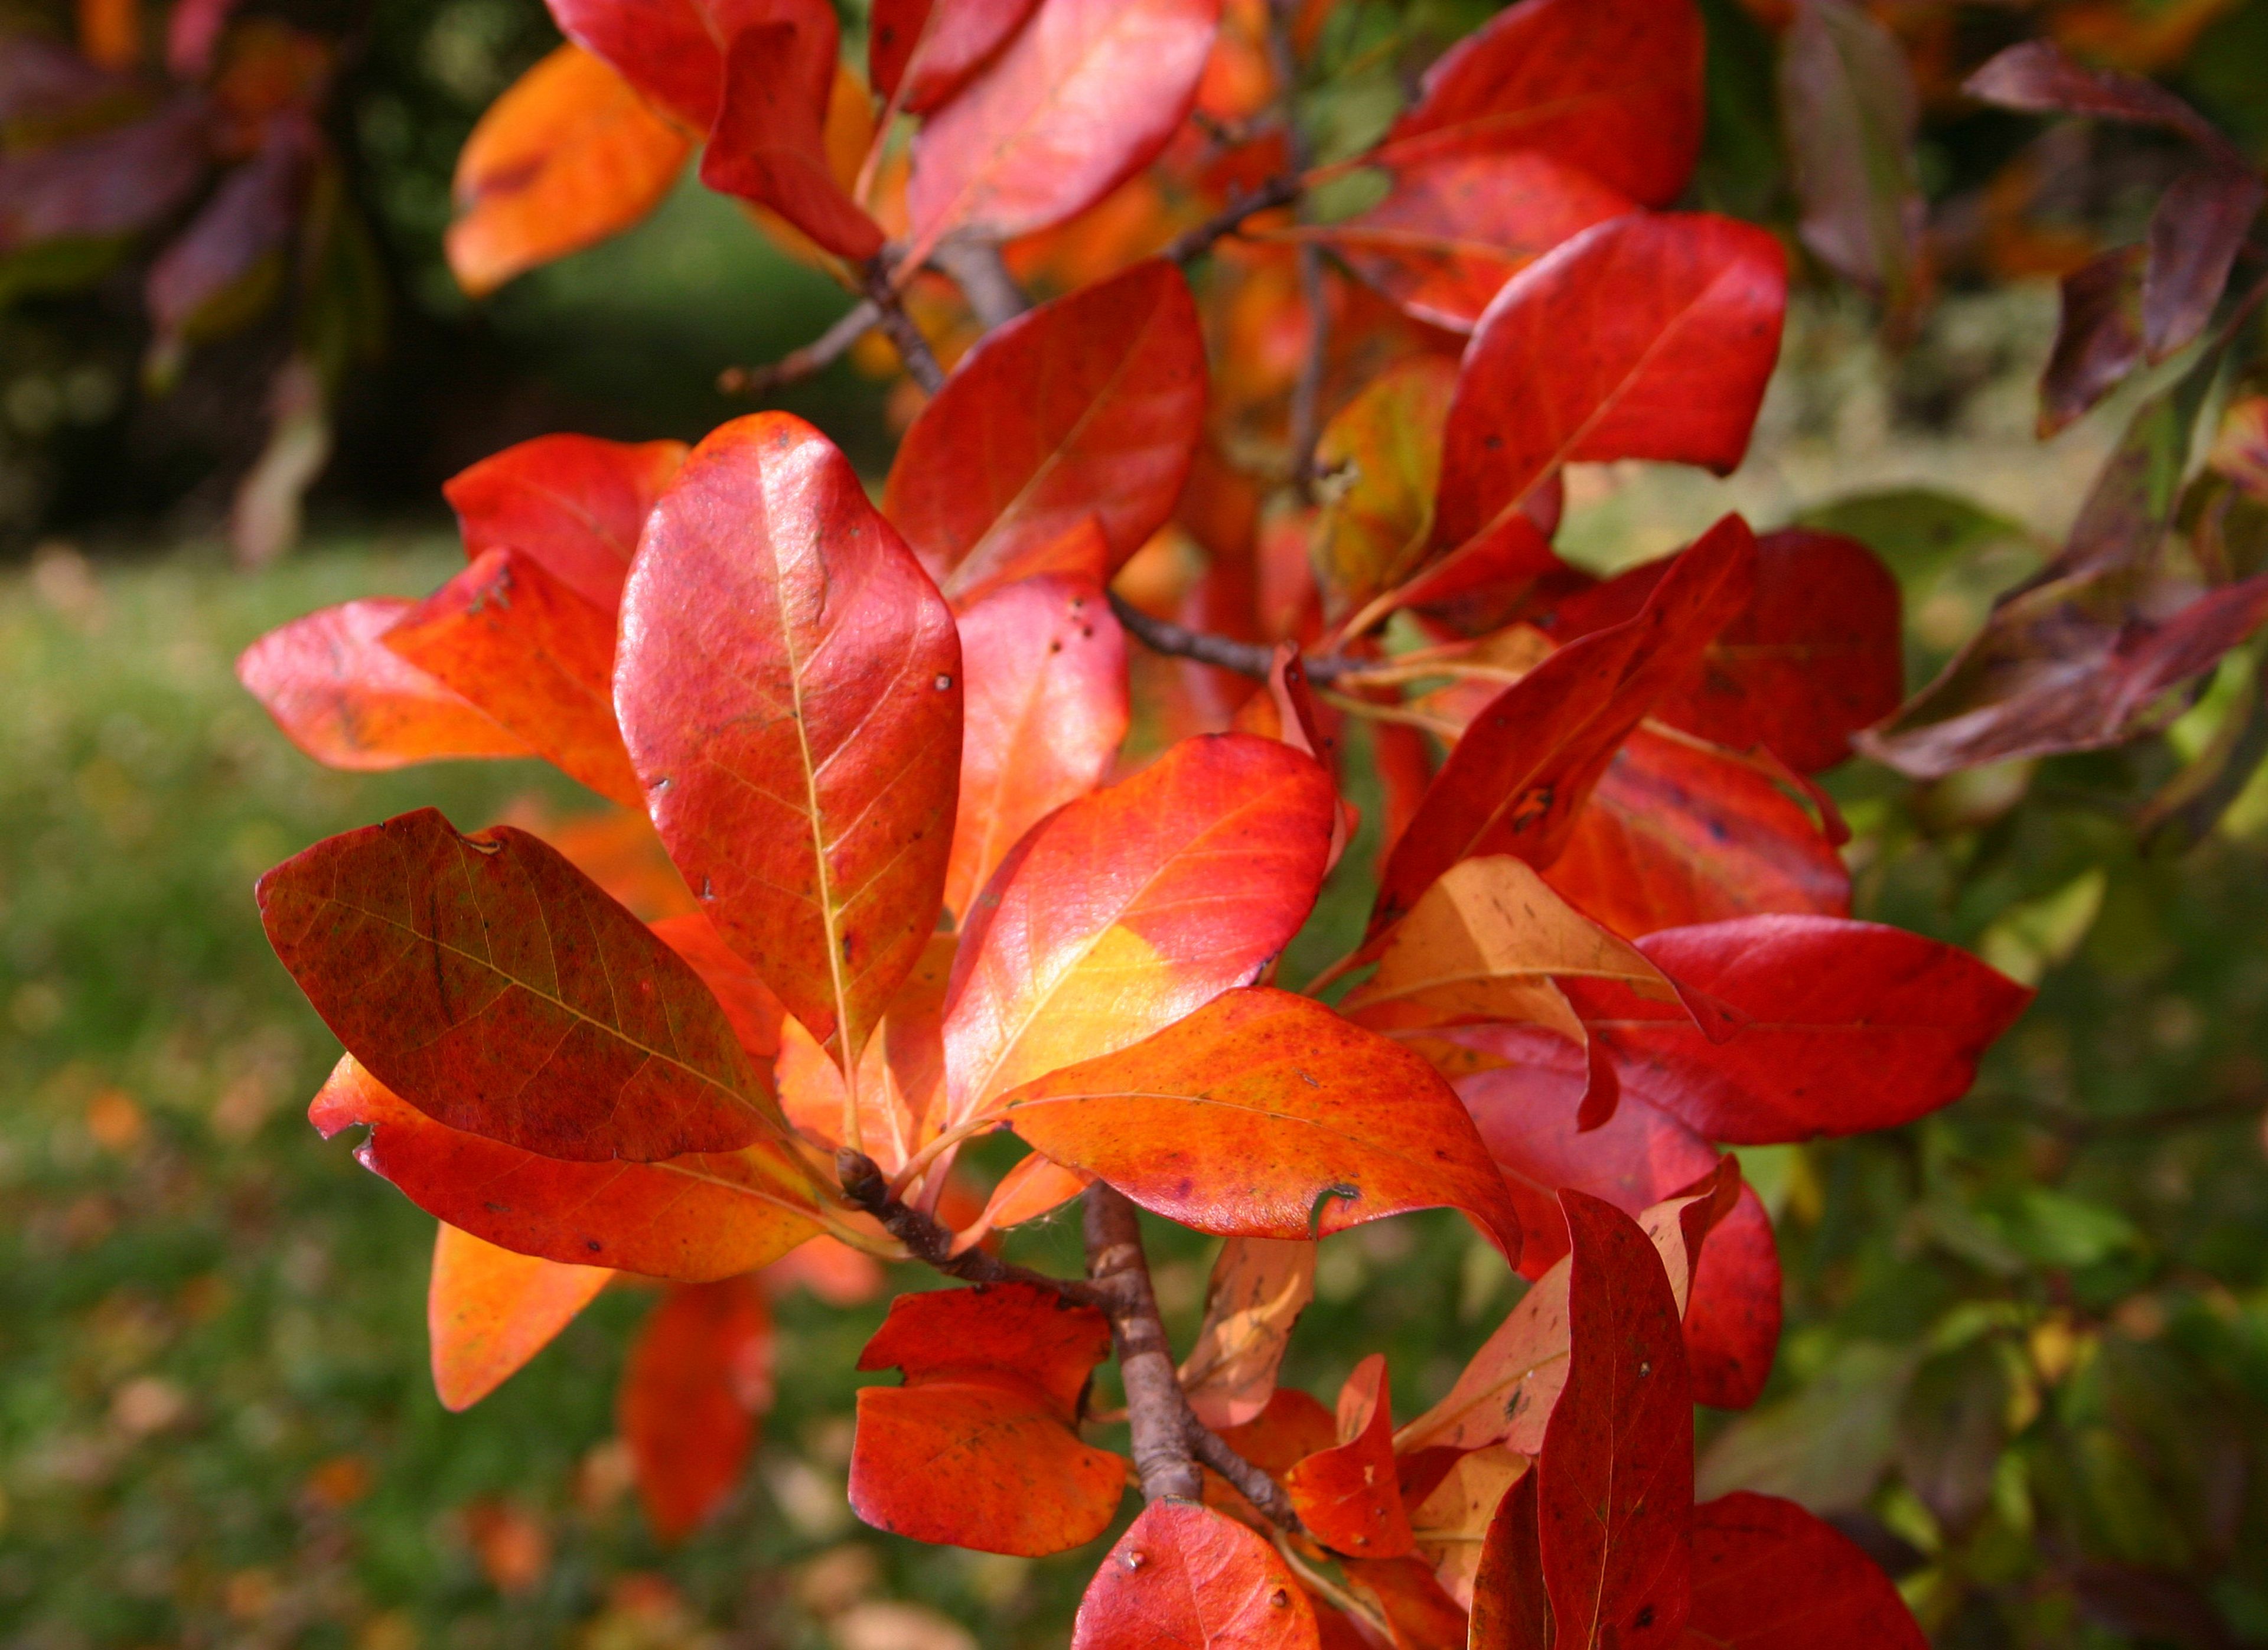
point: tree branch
(1198, 239)
(1245, 658)
(1119, 1273)
(798, 364)
(891, 317)
(1252, 1483)
(977, 268)
(865, 1185)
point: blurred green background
(2027, 1357)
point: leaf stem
(891, 317)
(927, 1241)
(798, 364)
(1245, 658)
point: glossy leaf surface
(1678, 832)
(536, 657)
(567, 156)
(1614, 1482)
(489, 1310)
(1646, 337)
(1613, 86)
(346, 700)
(1453, 230)
(1084, 95)
(697, 1376)
(1512, 784)
(1185, 1578)
(574, 503)
(1842, 1027)
(769, 143)
(694, 1218)
(1265, 1115)
(788, 685)
(1130, 908)
(1090, 406)
(1768, 1575)
(493, 986)
(1044, 709)
(978, 1448)
(1348, 1495)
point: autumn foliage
(926, 887)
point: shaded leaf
(1847, 98)
(1767, 1575)
(568, 156)
(788, 685)
(1733, 1317)
(699, 1376)
(495, 987)
(976, 1448)
(2098, 336)
(1378, 461)
(2196, 231)
(1186, 1577)
(1512, 1608)
(343, 697)
(239, 236)
(1265, 1115)
(108, 183)
(1258, 1289)
(1825, 1445)
(920, 52)
(1348, 1496)
(1514, 782)
(694, 1218)
(1679, 832)
(1453, 230)
(489, 1310)
(2039, 75)
(1127, 909)
(769, 144)
(1084, 95)
(1612, 87)
(1842, 1027)
(574, 503)
(1089, 406)
(1045, 708)
(538, 658)
(1615, 1483)
(1644, 337)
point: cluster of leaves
(224, 158)
(893, 905)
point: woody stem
(928, 1240)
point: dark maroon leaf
(2200, 224)
(105, 185)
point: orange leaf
(1127, 909)
(567, 156)
(1258, 1288)
(1265, 1115)
(976, 1448)
(1185, 1576)
(341, 696)
(1348, 1495)
(574, 503)
(699, 1376)
(489, 1310)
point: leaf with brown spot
(1187, 1577)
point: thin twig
(1245, 658)
(1198, 239)
(891, 317)
(977, 268)
(1252, 1483)
(927, 1241)
(798, 364)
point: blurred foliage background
(2027, 1357)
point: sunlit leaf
(1185, 1576)
(574, 503)
(1348, 1496)
(489, 1310)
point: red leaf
(1292, 1427)
(496, 988)
(1678, 832)
(1348, 1496)
(921, 51)
(1512, 784)
(535, 656)
(1126, 910)
(341, 696)
(1733, 1317)
(2036, 75)
(107, 184)
(789, 684)
(1613, 86)
(1044, 709)
(668, 49)
(699, 1376)
(2098, 336)
(574, 503)
(739, 991)
(1844, 1026)
(489, 1310)
(770, 141)
(1419, 1611)
(2196, 231)
(1265, 1115)
(1767, 1575)
(1512, 1609)
(977, 1449)
(1455, 229)
(569, 155)
(248, 219)
(1083, 97)
(1090, 406)
(1614, 1482)
(1185, 1578)
(694, 1218)
(1645, 337)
